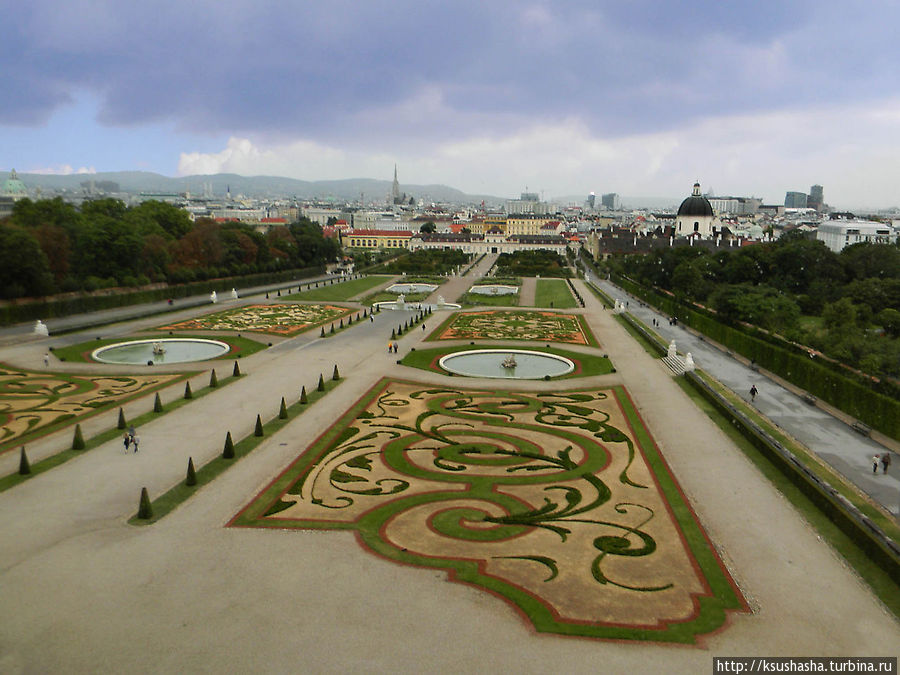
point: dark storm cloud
(357, 69)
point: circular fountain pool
(494, 363)
(162, 351)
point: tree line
(50, 246)
(846, 305)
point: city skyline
(564, 98)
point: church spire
(395, 188)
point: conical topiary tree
(258, 431)
(228, 451)
(213, 380)
(237, 370)
(145, 509)
(303, 399)
(282, 412)
(121, 423)
(24, 466)
(335, 375)
(157, 404)
(322, 334)
(393, 334)
(188, 394)
(78, 439)
(191, 478)
(350, 320)
(321, 385)
(332, 329)
(342, 324)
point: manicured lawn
(553, 293)
(586, 365)
(338, 291)
(81, 353)
(477, 300)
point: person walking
(136, 442)
(753, 392)
(127, 441)
(46, 359)
(875, 463)
(885, 461)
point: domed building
(696, 217)
(11, 191)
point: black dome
(696, 204)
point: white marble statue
(672, 351)
(213, 298)
(689, 363)
(40, 328)
(234, 294)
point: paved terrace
(83, 591)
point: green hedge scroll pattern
(556, 501)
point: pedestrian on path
(390, 347)
(136, 442)
(423, 327)
(753, 392)
(885, 461)
(46, 359)
(127, 441)
(875, 463)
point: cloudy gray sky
(566, 97)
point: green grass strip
(339, 291)
(553, 293)
(13, 479)
(884, 587)
(649, 347)
(169, 501)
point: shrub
(122, 423)
(213, 380)
(303, 399)
(191, 478)
(321, 385)
(78, 439)
(258, 431)
(24, 466)
(282, 412)
(188, 394)
(335, 375)
(228, 451)
(157, 404)
(145, 509)
(236, 372)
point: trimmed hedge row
(876, 410)
(47, 309)
(856, 525)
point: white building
(840, 233)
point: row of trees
(845, 304)
(49, 246)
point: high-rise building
(816, 198)
(611, 201)
(591, 200)
(795, 200)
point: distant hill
(256, 186)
